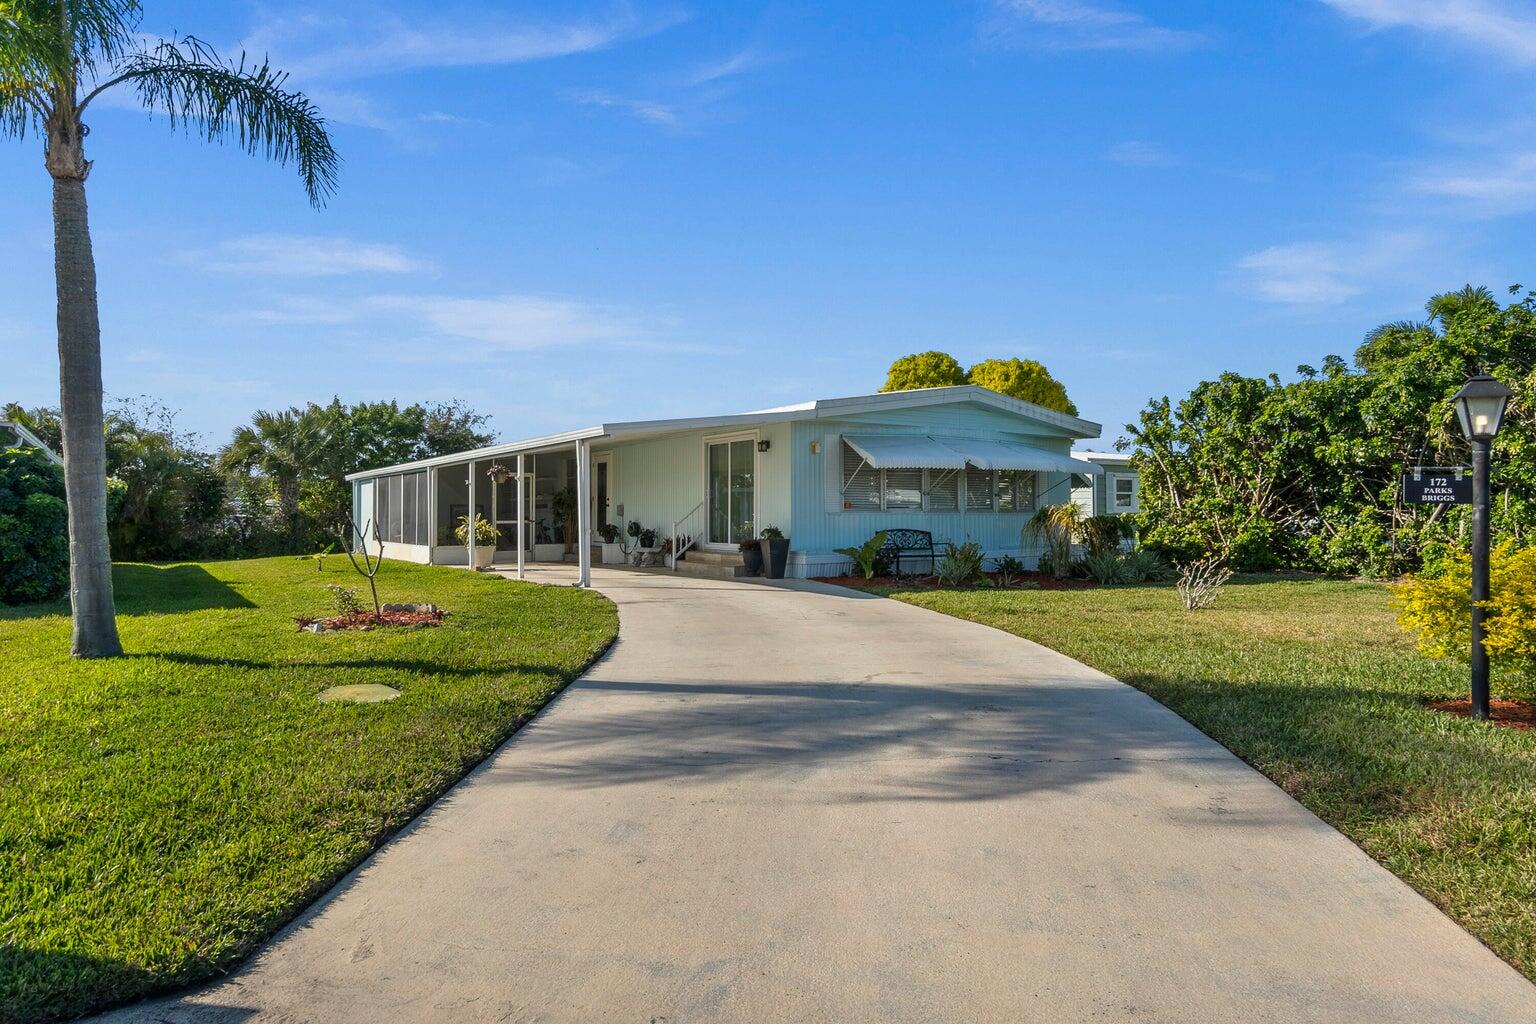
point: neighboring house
(1115, 489)
(13, 434)
(964, 463)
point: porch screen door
(731, 491)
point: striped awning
(904, 451)
(1012, 455)
(921, 451)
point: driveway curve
(797, 803)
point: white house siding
(819, 525)
(659, 481)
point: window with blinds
(903, 489)
(1015, 491)
(978, 490)
(943, 490)
(861, 482)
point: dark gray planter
(775, 555)
(752, 560)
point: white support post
(583, 514)
(470, 543)
(522, 515)
(432, 515)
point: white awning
(919, 451)
(1012, 455)
(904, 451)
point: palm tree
(56, 57)
(285, 447)
(1059, 526)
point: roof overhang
(925, 451)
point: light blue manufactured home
(963, 463)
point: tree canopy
(1024, 379)
(1307, 473)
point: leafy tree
(56, 58)
(34, 549)
(283, 447)
(1307, 473)
(924, 370)
(166, 499)
(1024, 379)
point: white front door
(730, 490)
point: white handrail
(688, 538)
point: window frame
(929, 478)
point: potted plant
(775, 548)
(751, 558)
(613, 551)
(563, 504)
(485, 539)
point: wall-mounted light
(815, 447)
(762, 446)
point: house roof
(25, 437)
(1104, 458)
(824, 408)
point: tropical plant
(485, 531)
(1104, 532)
(56, 58)
(1058, 526)
(1143, 565)
(961, 564)
(867, 555)
(1200, 582)
(648, 537)
(34, 544)
(1105, 567)
(1024, 379)
(563, 505)
(1009, 569)
(771, 533)
(609, 532)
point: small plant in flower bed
(413, 615)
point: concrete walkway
(794, 803)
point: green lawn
(1313, 684)
(162, 813)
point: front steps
(722, 565)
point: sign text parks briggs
(1438, 485)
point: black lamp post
(1480, 407)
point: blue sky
(563, 213)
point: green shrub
(1010, 569)
(1144, 566)
(1437, 606)
(34, 525)
(961, 564)
(1105, 532)
(1105, 567)
(867, 556)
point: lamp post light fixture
(1480, 407)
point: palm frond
(248, 102)
(53, 41)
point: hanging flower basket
(499, 473)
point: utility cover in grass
(360, 693)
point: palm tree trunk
(80, 402)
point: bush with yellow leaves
(1437, 606)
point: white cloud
(305, 256)
(1505, 28)
(1079, 25)
(392, 45)
(500, 323)
(1500, 185)
(736, 64)
(1328, 273)
(1141, 154)
(645, 110)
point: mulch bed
(1516, 714)
(1025, 581)
(366, 620)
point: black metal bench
(901, 544)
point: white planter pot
(613, 554)
(485, 554)
(548, 552)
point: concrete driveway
(795, 803)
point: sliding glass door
(731, 491)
